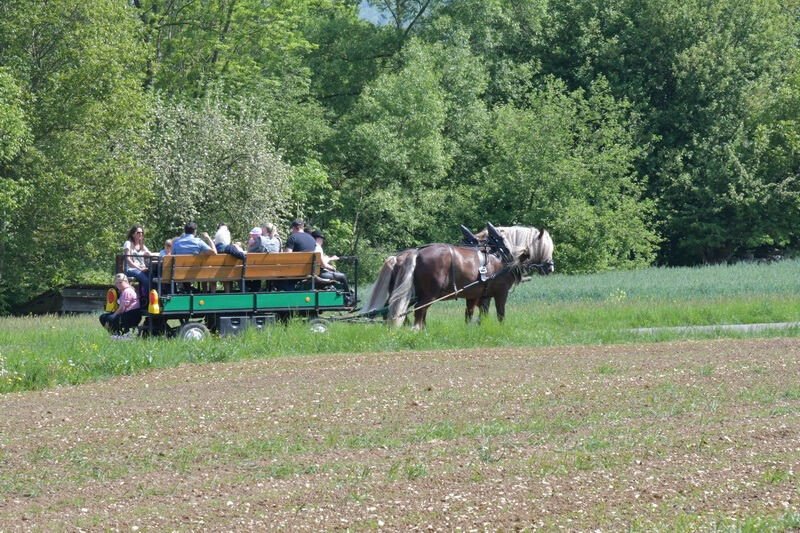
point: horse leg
(483, 309)
(471, 303)
(419, 316)
(500, 306)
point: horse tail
(382, 288)
(404, 289)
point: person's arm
(326, 261)
(126, 252)
(212, 248)
(124, 302)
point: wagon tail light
(111, 300)
(153, 308)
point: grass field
(561, 418)
(40, 352)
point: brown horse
(437, 271)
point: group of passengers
(262, 239)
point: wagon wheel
(193, 331)
(317, 325)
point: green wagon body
(247, 303)
(189, 312)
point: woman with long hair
(134, 252)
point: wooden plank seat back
(185, 268)
(225, 267)
(285, 265)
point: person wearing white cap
(255, 244)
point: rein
(530, 265)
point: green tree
(566, 163)
(14, 127)
(699, 72)
(210, 166)
(395, 153)
(73, 182)
(348, 53)
(240, 50)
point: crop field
(560, 418)
(690, 435)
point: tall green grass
(40, 352)
(664, 283)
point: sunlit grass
(40, 352)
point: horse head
(541, 253)
(530, 247)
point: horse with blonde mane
(438, 271)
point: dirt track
(689, 434)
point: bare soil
(689, 435)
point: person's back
(299, 240)
(189, 244)
(223, 244)
(269, 238)
(271, 244)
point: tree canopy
(636, 131)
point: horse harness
(483, 273)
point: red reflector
(153, 298)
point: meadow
(562, 418)
(41, 352)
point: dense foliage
(636, 131)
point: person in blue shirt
(189, 244)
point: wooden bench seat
(225, 267)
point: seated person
(256, 244)
(189, 244)
(328, 270)
(269, 236)
(167, 248)
(129, 313)
(222, 241)
(299, 240)
(223, 244)
(134, 252)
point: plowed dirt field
(690, 435)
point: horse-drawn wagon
(183, 300)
